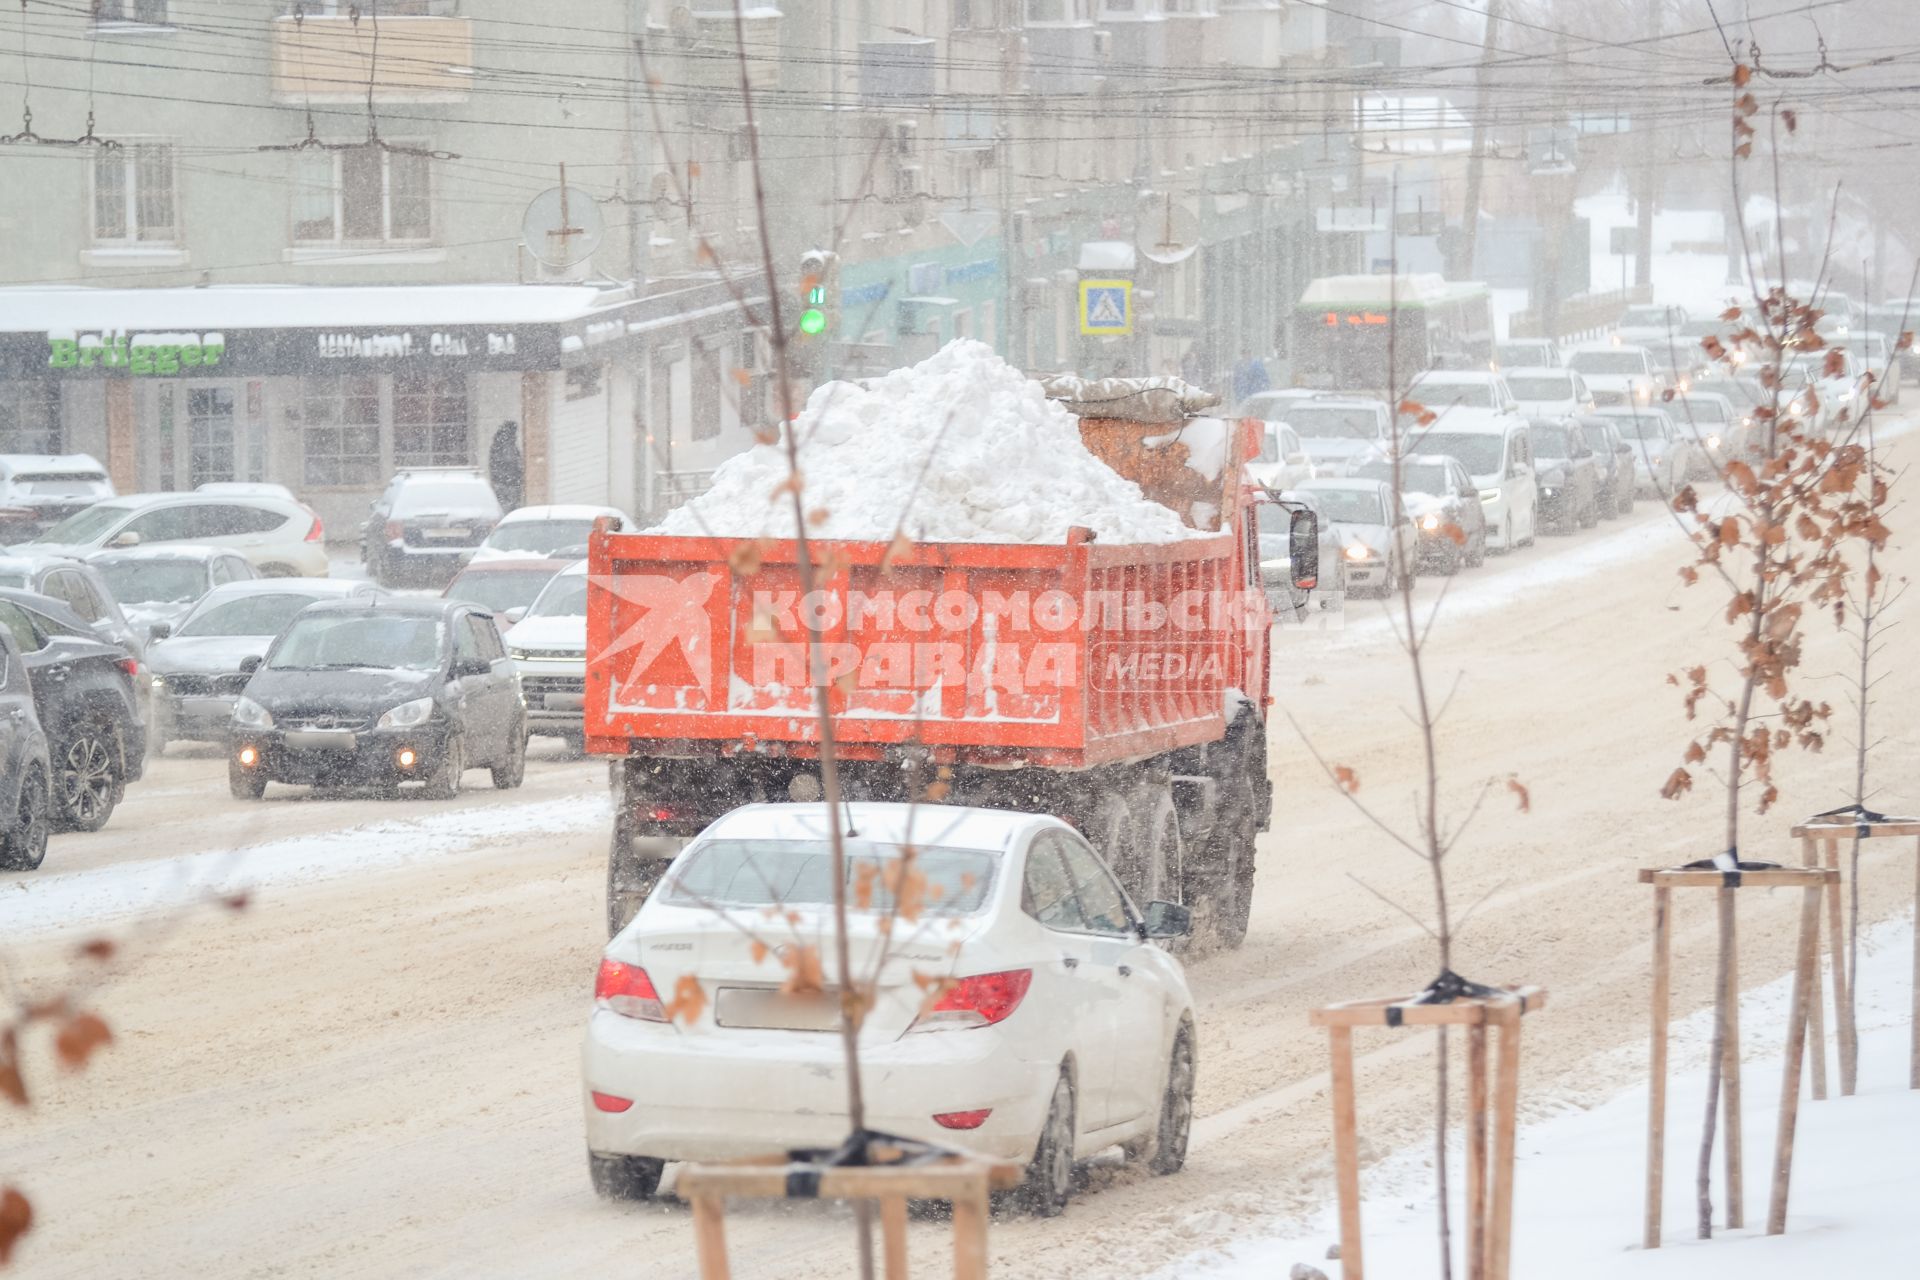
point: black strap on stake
(806, 1167)
(1864, 818)
(1730, 879)
(1445, 989)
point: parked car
(1337, 432)
(1445, 506)
(1526, 353)
(26, 770)
(1564, 469)
(246, 489)
(1613, 459)
(379, 693)
(1283, 460)
(427, 524)
(39, 491)
(548, 531)
(280, 539)
(1059, 1029)
(1549, 393)
(1499, 457)
(1373, 530)
(1272, 406)
(1616, 373)
(84, 694)
(194, 668)
(78, 585)
(1660, 459)
(549, 651)
(1833, 375)
(506, 587)
(1275, 522)
(1464, 398)
(161, 584)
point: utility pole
(1012, 323)
(636, 138)
(1649, 164)
(833, 168)
(1460, 263)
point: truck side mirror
(1303, 548)
(1167, 920)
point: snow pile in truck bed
(1002, 463)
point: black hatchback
(379, 693)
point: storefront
(331, 391)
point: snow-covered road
(372, 1071)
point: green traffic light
(812, 321)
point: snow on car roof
(291, 586)
(161, 551)
(1321, 484)
(1604, 344)
(949, 826)
(19, 464)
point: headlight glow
(1430, 522)
(1713, 442)
(407, 714)
(1358, 552)
(249, 714)
(518, 655)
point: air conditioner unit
(987, 157)
(1103, 44)
(740, 144)
(905, 134)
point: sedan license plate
(771, 1009)
(321, 740)
(445, 535)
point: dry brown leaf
(96, 949)
(1789, 119)
(900, 546)
(689, 1000)
(938, 791)
(1677, 785)
(758, 951)
(16, 1219)
(12, 1087)
(1741, 74)
(1695, 753)
(803, 970)
(743, 376)
(746, 558)
(819, 516)
(1520, 793)
(81, 1036)
(1346, 779)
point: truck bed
(1067, 656)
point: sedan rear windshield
(1437, 395)
(540, 535)
(1351, 506)
(266, 614)
(1541, 387)
(1644, 427)
(155, 581)
(1415, 477)
(799, 873)
(372, 642)
(1321, 422)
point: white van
(1499, 457)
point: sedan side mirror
(250, 664)
(1303, 548)
(1168, 920)
(125, 538)
(159, 631)
(516, 613)
(470, 667)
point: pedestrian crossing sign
(1106, 307)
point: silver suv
(427, 524)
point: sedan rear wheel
(624, 1177)
(87, 776)
(1050, 1177)
(24, 846)
(1176, 1107)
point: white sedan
(1026, 1013)
(547, 531)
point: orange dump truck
(1119, 686)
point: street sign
(1106, 307)
(1623, 240)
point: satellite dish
(1170, 235)
(563, 227)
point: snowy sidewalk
(1579, 1185)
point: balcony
(328, 59)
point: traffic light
(819, 293)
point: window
(708, 387)
(133, 195)
(168, 524)
(976, 15)
(364, 195)
(1056, 10)
(430, 420)
(16, 621)
(210, 445)
(30, 416)
(148, 13)
(1047, 894)
(340, 429)
(1101, 901)
(230, 520)
(466, 639)
(388, 8)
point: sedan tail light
(129, 665)
(319, 531)
(957, 1119)
(979, 1001)
(396, 530)
(627, 990)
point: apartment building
(257, 240)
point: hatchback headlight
(1713, 442)
(249, 714)
(407, 715)
(1430, 522)
(1359, 551)
(519, 655)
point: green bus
(1344, 326)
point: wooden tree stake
(1805, 975)
(1476, 1151)
(1730, 1128)
(1657, 1057)
(1346, 1153)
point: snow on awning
(27, 309)
(1106, 255)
